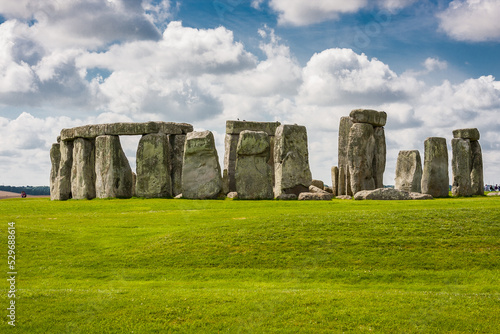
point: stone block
(373, 117)
(435, 179)
(409, 171)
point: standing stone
(335, 180)
(409, 171)
(253, 174)
(379, 156)
(83, 170)
(64, 175)
(461, 167)
(435, 179)
(231, 144)
(201, 174)
(361, 152)
(291, 160)
(177, 149)
(476, 174)
(55, 160)
(113, 172)
(344, 129)
(153, 167)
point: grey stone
(178, 196)
(55, 160)
(291, 160)
(409, 171)
(316, 190)
(497, 193)
(134, 182)
(360, 156)
(373, 117)
(476, 174)
(201, 174)
(236, 127)
(64, 176)
(419, 196)
(307, 196)
(379, 157)
(435, 179)
(328, 189)
(461, 167)
(233, 195)
(343, 197)
(343, 164)
(153, 166)
(382, 194)
(472, 134)
(83, 170)
(287, 197)
(230, 143)
(341, 188)
(318, 183)
(113, 173)
(253, 174)
(177, 150)
(335, 180)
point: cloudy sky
(432, 65)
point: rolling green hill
(229, 266)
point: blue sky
(431, 65)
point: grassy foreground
(168, 266)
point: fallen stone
(497, 193)
(113, 173)
(328, 190)
(318, 183)
(435, 179)
(83, 175)
(382, 194)
(419, 196)
(287, 197)
(233, 195)
(373, 117)
(153, 166)
(201, 174)
(315, 196)
(472, 134)
(178, 196)
(316, 190)
(409, 171)
(461, 167)
(344, 197)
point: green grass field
(224, 266)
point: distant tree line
(29, 190)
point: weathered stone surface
(83, 170)
(307, 196)
(471, 134)
(461, 167)
(291, 160)
(476, 174)
(360, 157)
(373, 117)
(409, 171)
(55, 160)
(233, 195)
(379, 157)
(419, 196)
(201, 174)
(252, 174)
(328, 189)
(317, 190)
(497, 193)
(64, 176)
(435, 179)
(117, 129)
(177, 150)
(134, 182)
(178, 196)
(343, 144)
(287, 197)
(230, 143)
(318, 183)
(113, 172)
(153, 166)
(335, 180)
(236, 127)
(343, 197)
(382, 194)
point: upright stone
(344, 129)
(153, 167)
(361, 152)
(253, 174)
(335, 180)
(379, 158)
(476, 175)
(113, 173)
(409, 171)
(55, 160)
(291, 160)
(201, 174)
(83, 170)
(231, 144)
(435, 179)
(461, 167)
(177, 149)
(64, 175)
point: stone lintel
(472, 134)
(236, 127)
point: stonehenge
(262, 160)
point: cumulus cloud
(471, 20)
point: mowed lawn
(229, 266)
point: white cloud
(433, 64)
(471, 20)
